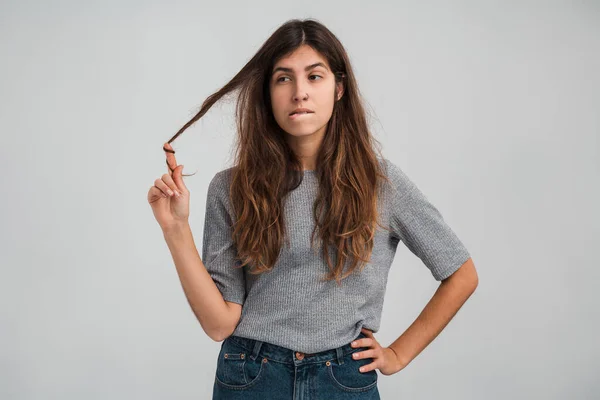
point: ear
(339, 90)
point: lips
(300, 115)
(301, 112)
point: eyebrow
(309, 67)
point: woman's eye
(283, 77)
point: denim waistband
(288, 356)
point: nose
(298, 96)
(300, 92)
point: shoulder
(399, 180)
(219, 185)
(392, 169)
(221, 179)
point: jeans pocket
(235, 368)
(347, 376)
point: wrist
(176, 229)
(401, 361)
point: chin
(297, 132)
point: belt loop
(340, 355)
(257, 345)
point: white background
(490, 107)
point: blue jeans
(251, 369)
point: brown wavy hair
(266, 169)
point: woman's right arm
(216, 316)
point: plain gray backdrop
(490, 107)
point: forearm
(443, 306)
(202, 294)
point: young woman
(294, 266)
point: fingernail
(176, 193)
(353, 343)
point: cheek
(326, 97)
(277, 103)
(326, 104)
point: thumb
(178, 178)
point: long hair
(266, 169)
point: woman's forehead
(303, 58)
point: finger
(368, 334)
(156, 192)
(168, 180)
(367, 331)
(178, 179)
(160, 184)
(171, 160)
(364, 354)
(368, 367)
(368, 341)
(365, 342)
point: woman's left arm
(451, 294)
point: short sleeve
(219, 253)
(422, 228)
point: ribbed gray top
(290, 306)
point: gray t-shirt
(291, 306)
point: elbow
(216, 335)
(472, 284)
(221, 335)
(473, 279)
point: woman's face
(303, 80)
